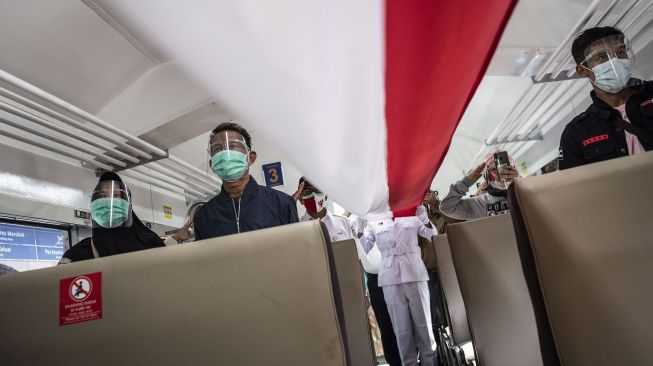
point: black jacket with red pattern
(595, 135)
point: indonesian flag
(385, 83)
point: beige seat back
(263, 297)
(494, 290)
(352, 291)
(451, 288)
(590, 234)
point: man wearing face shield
(116, 228)
(492, 202)
(242, 205)
(620, 120)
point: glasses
(230, 146)
(604, 55)
(114, 194)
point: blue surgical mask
(110, 213)
(229, 165)
(612, 76)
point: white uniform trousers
(410, 313)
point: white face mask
(613, 75)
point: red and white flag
(385, 83)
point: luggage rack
(59, 127)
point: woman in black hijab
(116, 228)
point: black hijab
(123, 239)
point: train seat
(493, 288)
(352, 290)
(586, 240)
(264, 297)
(460, 333)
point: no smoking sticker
(80, 298)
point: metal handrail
(515, 122)
(213, 179)
(604, 15)
(32, 142)
(73, 123)
(626, 11)
(552, 89)
(591, 9)
(189, 193)
(570, 91)
(180, 174)
(500, 126)
(98, 155)
(41, 122)
(34, 90)
(151, 181)
(163, 178)
(60, 141)
(638, 17)
(169, 173)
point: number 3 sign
(273, 174)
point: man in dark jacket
(242, 205)
(620, 120)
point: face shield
(229, 155)
(612, 62)
(111, 205)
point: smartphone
(500, 161)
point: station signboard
(31, 243)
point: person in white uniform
(314, 201)
(339, 227)
(403, 277)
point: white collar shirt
(397, 240)
(339, 229)
(338, 226)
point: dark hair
(307, 183)
(109, 176)
(232, 126)
(589, 36)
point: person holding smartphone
(499, 171)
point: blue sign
(273, 174)
(18, 242)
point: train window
(25, 246)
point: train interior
(563, 279)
